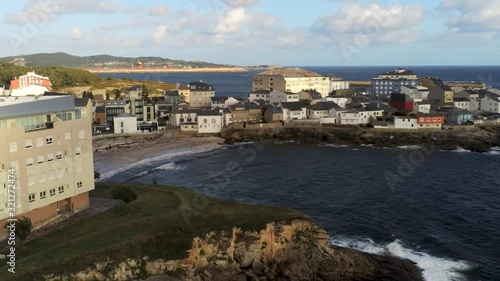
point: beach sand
(114, 154)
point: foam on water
(336, 145)
(457, 150)
(494, 151)
(434, 268)
(170, 167)
(410, 147)
(158, 158)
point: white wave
(410, 147)
(494, 151)
(457, 150)
(170, 167)
(367, 145)
(158, 158)
(336, 145)
(142, 174)
(434, 268)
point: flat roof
(11, 107)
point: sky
(260, 32)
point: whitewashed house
(210, 122)
(349, 117)
(366, 116)
(279, 96)
(260, 95)
(462, 103)
(491, 103)
(405, 122)
(233, 100)
(422, 107)
(293, 111)
(125, 123)
(317, 111)
(340, 101)
(184, 116)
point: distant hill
(105, 61)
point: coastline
(112, 155)
(168, 70)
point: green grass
(154, 227)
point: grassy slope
(154, 227)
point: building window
(59, 155)
(67, 135)
(61, 189)
(42, 177)
(52, 192)
(52, 175)
(43, 194)
(39, 141)
(81, 134)
(79, 184)
(48, 140)
(13, 146)
(40, 159)
(78, 150)
(28, 143)
(50, 157)
(31, 197)
(29, 161)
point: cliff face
(479, 141)
(293, 250)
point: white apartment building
(49, 149)
(292, 80)
(279, 96)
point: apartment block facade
(391, 82)
(49, 147)
(292, 80)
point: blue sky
(252, 32)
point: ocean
(240, 83)
(442, 212)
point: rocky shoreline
(476, 141)
(292, 250)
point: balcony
(46, 126)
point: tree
(117, 93)
(84, 94)
(107, 96)
(155, 181)
(126, 194)
(97, 175)
(23, 228)
(90, 95)
(145, 93)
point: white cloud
(43, 11)
(393, 24)
(76, 33)
(232, 21)
(160, 34)
(240, 3)
(473, 16)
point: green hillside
(67, 60)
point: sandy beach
(115, 154)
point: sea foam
(154, 159)
(434, 268)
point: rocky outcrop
(293, 250)
(479, 141)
